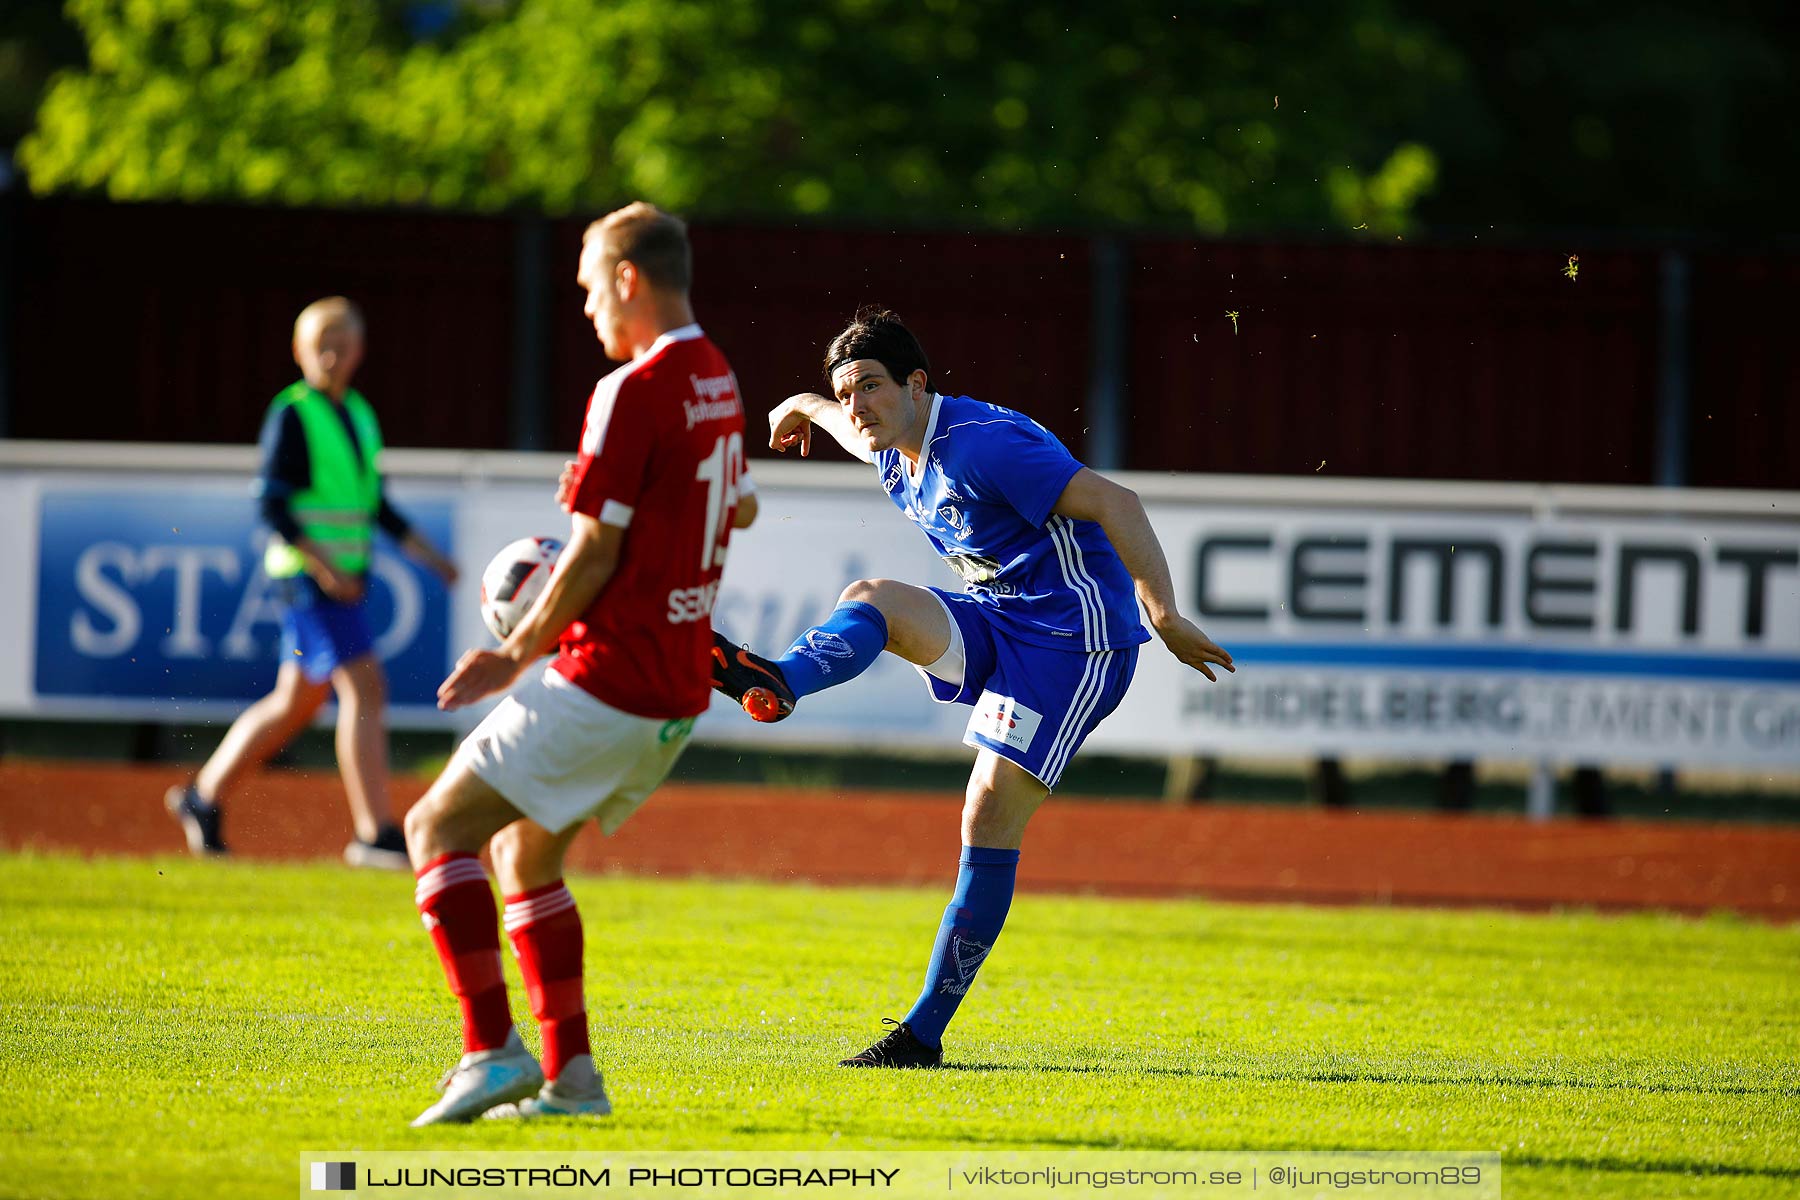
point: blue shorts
(320, 634)
(1034, 705)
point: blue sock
(972, 920)
(836, 650)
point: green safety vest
(337, 510)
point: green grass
(172, 1028)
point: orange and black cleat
(750, 679)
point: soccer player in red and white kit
(658, 488)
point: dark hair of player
(653, 241)
(878, 333)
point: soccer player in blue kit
(1042, 642)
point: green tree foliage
(1233, 116)
(35, 41)
(1603, 114)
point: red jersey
(662, 457)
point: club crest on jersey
(1003, 719)
(954, 518)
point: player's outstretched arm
(585, 566)
(1091, 496)
(791, 423)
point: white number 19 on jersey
(720, 471)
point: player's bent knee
(507, 853)
(417, 825)
(915, 618)
(527, 856)
(460, 813)
(424, 822)
(867, 591)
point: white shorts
(560, 756)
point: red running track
(1075, 844)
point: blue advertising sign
(163, 597)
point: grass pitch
(172, 1028)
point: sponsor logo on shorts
(1003, 719)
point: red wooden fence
(170, 323)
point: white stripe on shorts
(1087, 694)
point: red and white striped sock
(545, 930)
(457, 905)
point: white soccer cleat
(577, 1092)
(482, 1080)
(387, 852)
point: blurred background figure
(321, 496)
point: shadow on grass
(1393, 1077)
(1508, 1160)
(1648, 1166)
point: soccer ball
(514, 580)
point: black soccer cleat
(897, 1048)
(750, 679)
(200, 821)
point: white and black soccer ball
(514, 579)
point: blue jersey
(983, 489)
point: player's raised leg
(872, 616)
(444, 832)
(545, 928)
(1000, 800)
